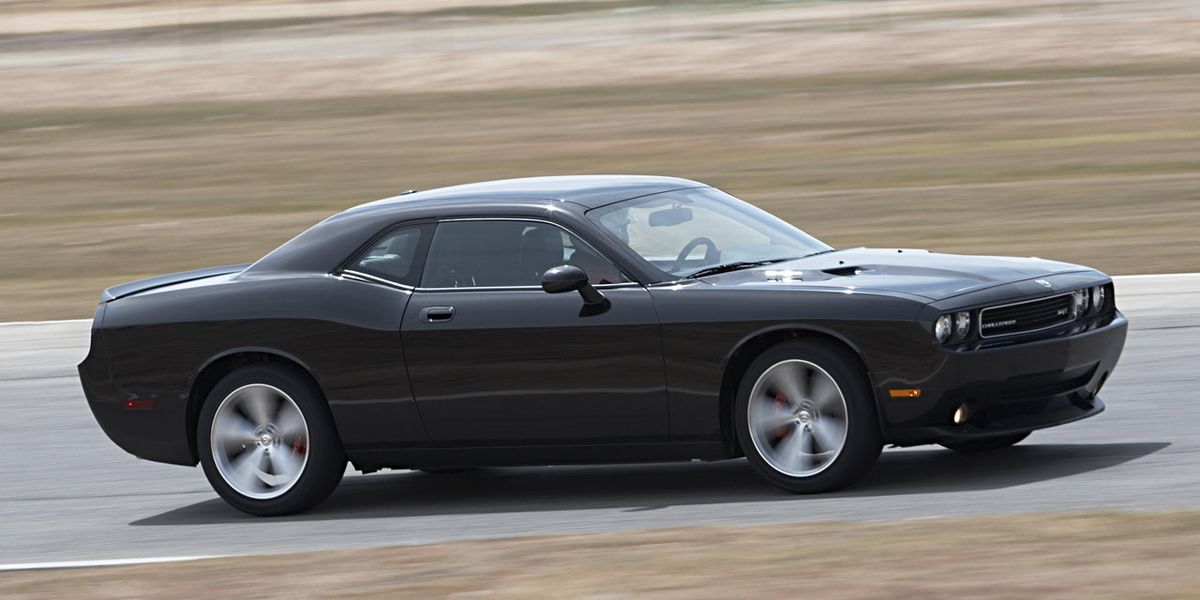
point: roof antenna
(407, 192)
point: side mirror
(569, 278)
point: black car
(586, 319)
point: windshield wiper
(820, 252)
(734, 266)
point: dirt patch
(983, 127)
(288, 55)
(1123, 555)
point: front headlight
(1082, 299)
(942, 329)
(1098, 298)
(962, 325)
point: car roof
(589, 191)
(327, 243)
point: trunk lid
(142, 285)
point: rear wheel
(267, 442)
(806, 419)
(987, 443)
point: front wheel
(806, 418)
(267, 442)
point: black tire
(987, 443)
(863, 441)
(325, 462)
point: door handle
(437, 314)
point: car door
(494, 359)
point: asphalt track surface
(68, 494)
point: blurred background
(139, 137)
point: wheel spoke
(245, 469)
(792, 382)
(770, 416)
(236, 433)
(286, 465)
(258, 404)
(289, 423)
(788, 448)
(794, 452)
(806, 449)
(825, 395)
(829, 434)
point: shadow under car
(650, 486)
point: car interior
(486, 254)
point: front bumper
(1017, 388)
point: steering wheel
(712, 254)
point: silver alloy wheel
(259, 441)
(797, 416)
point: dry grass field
(1119, 556)
(138, 138)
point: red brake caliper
(785, 430)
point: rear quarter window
(392, 257)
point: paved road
(70, 494)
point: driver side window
(507, 253)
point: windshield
(687, 232)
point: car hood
(906, 271)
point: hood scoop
(787, 275)
(850, 271)
(791, 275)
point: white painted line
(112, 562)
(1150, 275)
(27, 323)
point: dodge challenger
(586, 319)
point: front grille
(1025, 317)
